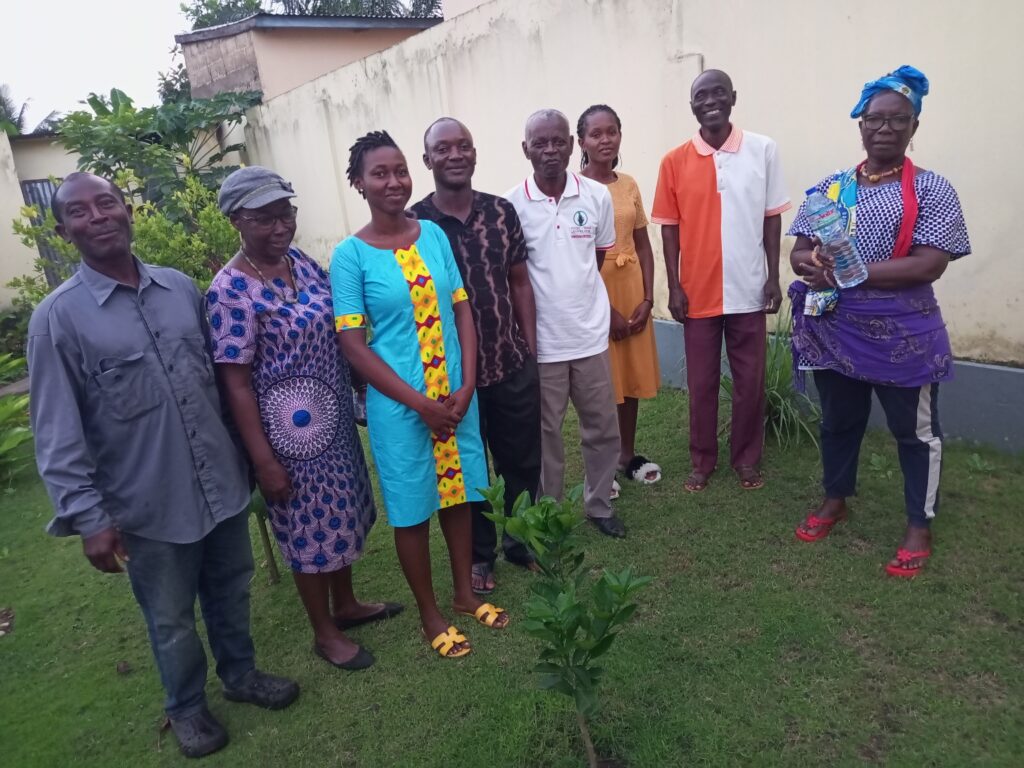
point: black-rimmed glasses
(267, 220)
(896, 122)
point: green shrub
(189, 234)
(790, 417)
(576, 624)
(14, 435)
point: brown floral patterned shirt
(486, 247)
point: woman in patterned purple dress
(289, 391)
(885, 335)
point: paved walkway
(19, 387)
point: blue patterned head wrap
(906, 80)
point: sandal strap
(447, 640)
(490, 611)
(905, 555)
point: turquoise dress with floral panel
(406, 297)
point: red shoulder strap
(904, 238)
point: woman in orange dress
(628, 274)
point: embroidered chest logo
(582, 229)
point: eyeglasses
(896, 122)
(267, 221)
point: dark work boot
(263, 690)
(199, 734)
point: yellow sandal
(487, 614)
(447, 640)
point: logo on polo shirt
(582, 231)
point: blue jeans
(166, 579)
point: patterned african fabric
(894, 337)
(303, 388)
(940, 221)
(486, 246)
(406, 299)
(634, 359)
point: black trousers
(912, 414)
(510, 426)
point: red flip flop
(904, 556)
(813, 521)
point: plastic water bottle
(827, 223)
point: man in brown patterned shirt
(489, 247)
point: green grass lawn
(748, 648)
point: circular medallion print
(301, 414)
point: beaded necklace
(271, 284)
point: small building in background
(28, 166)
(274, 53)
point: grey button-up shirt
(125, 410)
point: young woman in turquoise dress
(397, 276)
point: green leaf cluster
(14, 431)
(158, 147)
(168, 161)
(576, 619)
(189, 234)
(211, 13)
(37, 230)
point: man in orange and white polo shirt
(719, 200)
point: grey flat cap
(252, 187)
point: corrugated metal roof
(289, 21)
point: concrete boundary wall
(798, 66)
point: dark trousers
(913, 417)
(166, 579)
(745, 345)
(510, 426)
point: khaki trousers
(588, 383)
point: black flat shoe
(609, 526)
(388, 611)
(362, 660)
(200, 734)
(263, 690)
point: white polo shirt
(562, 238)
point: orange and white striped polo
(719, 198)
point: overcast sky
(55, 52)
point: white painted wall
(15, 258)
(42, 157)
(798, 66)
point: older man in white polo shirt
(569, 225)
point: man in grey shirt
(136, 458)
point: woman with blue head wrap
(885, 335)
